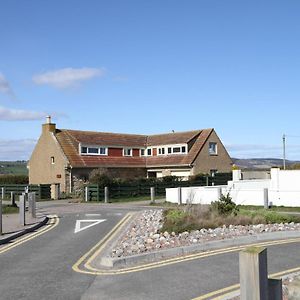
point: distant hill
(261, 163)
(14, 167)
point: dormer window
(93, 150)
(149, 152)
(142, 152)
(127, 151)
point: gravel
(144, 234)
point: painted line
(89, 257)
(221, 293)
(76, 266)
(54, 221)
(92, 222)
(92, 215)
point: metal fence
(43, 191)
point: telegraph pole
(283, 142)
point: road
(41, 268)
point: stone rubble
(144, 234)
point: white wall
(283, 189)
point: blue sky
(152, 67)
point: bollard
(86, 193)
(152, 194)
(275, 289)
(22, 206)
(254, 273)
(32, 204)
(179, 195)
(266, 199)
(2, 193)
(106, 194)
(0, 216)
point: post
(253, 273)
(86, 193)
(207, 182)
(152, 194)
(266, 199)
(22, 206)
(0, 216)
(106, 194)
(3, 193)
(275, 289)
(179, 195)
(283, 142)
(32, 204)
(12, 199)
(98, 193)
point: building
(63, 156)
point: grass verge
(8, 209)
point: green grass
(125, 199)
(8, 209)
(13, 167)
(196, 217)
(273, 208)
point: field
(13, 167)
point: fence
(43, 191)
(118, 191)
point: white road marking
(92, 215)
(78, 227)
(114, 214)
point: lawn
(8, 209)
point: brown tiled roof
(69, 141)
(171, 138)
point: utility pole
(283, 141)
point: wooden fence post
(22, 206)
(152, 193)
(3, 193)
(86, 193)
(179, 195)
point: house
(63, 156)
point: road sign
(89, 223)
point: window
(103, 151)
(169, 150)
(212, 148)
(83, 149)
(52, 160)
(149, 152)
(142, 152)
(161, 151)
(183, 149)
(213, 173)
(176, 150)
(127, 151)
(93, 150)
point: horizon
(132, 66)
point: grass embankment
(221, 212)
(273, 208)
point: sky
(152, 67)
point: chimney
(48, 126)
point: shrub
(224, 206)
(100, 176)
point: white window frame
(126, 149)
(166, 147)
(93, 146)
(144, 152)
(216, 148)
(52, 160)
(151, 149)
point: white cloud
(67, 77)
(5, 87)
(16, 149)
(7, 114)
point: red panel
(115, 152)
(154, 151)
(136, 152)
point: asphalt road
(42, 267)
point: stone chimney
(48, 126)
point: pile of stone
(144, 234)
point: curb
(25, 231)
(184, 250)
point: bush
(224, 206)
(14, 179)
(101, 177)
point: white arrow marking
(93, 223)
